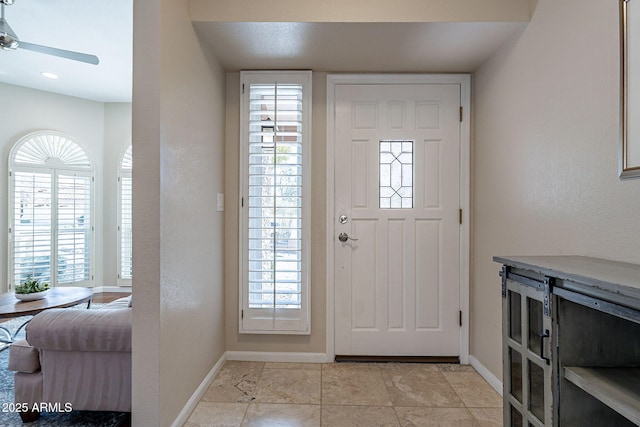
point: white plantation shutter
(31, 226)
(275, 181)
(75, 228)
(50, 212)
(41, 148)
(125, 231)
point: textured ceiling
(355, 47)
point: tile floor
(347, 394)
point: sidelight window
(275, 151)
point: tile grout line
(385, 387)
(321, 399)
(244, 415)
(467, 407)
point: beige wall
(99, 127)
(314, 343)
(544, 172)
(360, 10)
(545, 154)
(178, 149)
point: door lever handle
(343, 237)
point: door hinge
(548, 289)
(460, 215)
(242, 202)
(460, 318)
(242, 314)
(242, 87)
(505, 275)
(461, 113)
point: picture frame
(629, 158)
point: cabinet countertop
(611, 280)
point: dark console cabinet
(571, 341)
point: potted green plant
(31, 289)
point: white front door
(397, 198)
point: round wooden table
(59, 297)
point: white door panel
(397, 286)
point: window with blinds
(275, 152)
(125, 218)
(31, 226)
(74, 230)
(50, 212)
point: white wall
(178, 152)
(92, 125)
(545, 154)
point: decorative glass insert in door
(396, 174)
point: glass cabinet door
(527, 375)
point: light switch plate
(220, 202)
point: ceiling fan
(9, 41)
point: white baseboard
(266, 356)
(191, 404)
(108, 289)
(486, 374)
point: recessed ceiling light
(49, 75)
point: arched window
(125, 238)
(50, 211)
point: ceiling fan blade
(75, 56)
